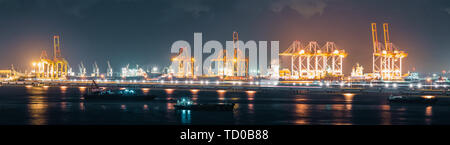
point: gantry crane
(82, 70)
(109, 70)
(387, 58)
(95, 70)
(55, 68)
(314, 62)
(183, 63)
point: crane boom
(375, 37)
(386, 36)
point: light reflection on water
(38, 113)
(185, 116)
(123, 107)
(82, 106)
(194, 97)
(194, 91)
(82, 90)
(251, 110)
(64, 106)
(63, 89)
(428, 114)
(145, 107)
(145, 90)
(429, 111)
(254, 107)
(221, 94)
(349, 97)
(340, 113)
(169, 93)
(37, 106)
(301, 111)
(348, 107)
(385, 114)
(170, 106)
(250, 95)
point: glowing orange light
(336, 52)
(428, 97)
(348, 94)
(250, 92)
(194, 91)
(221, 91)
(429, 111)
(145, 107)
(169, 91)
(301, 52)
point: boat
(97, 93)
(185, 103)
(412, 99)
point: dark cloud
(306, 8)
(75, 8)
(447, 10)
(195, 7)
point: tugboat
(426, 99)
(185, 103)
(97, 93)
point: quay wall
(313, 89)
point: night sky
(142, 31)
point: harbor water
(64, 106)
